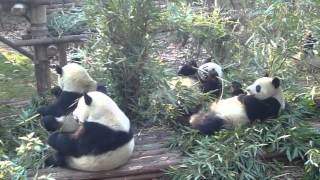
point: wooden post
(62, 48)
(39, 30)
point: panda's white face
(264, 88)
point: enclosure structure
(44, 46)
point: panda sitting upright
(103, 141)
(265, 100)
(73, 81)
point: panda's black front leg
(63, 143)
(50, 123)
(57, 159)
(56, 91)
(51, 109)
(255, 108)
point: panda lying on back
(104, 141)
(208, 74)
(265, 100)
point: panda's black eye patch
(258, 88)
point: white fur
(102, 110)
(206, 67)
(232, 111)
(75, 78)
(105, 161)
(105, 111)
(267, 90)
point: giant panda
(264, 100)
(103, 141)
(208, 74)
(73, 81)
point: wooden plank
(54, 40)
(150, 140)
(147, 147)
(150, 152)
(140, 177)
(145, 165)
(62, 48)
(42, 73)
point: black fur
(50, 123)
(55, 160)
(188, 69)
(260, 109)
(56, 91)
(276, 82)
(87, 99)
(61, 106)
(236, 88)
(211, 84)
(102, 88)
(59, 70)
(185, 114)
(94, 140)
(208, 123)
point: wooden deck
(151, 156)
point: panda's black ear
(87, 99)
(58, 69)
(276, 82)
(266, 74)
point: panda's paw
(51, 161)
(50, 123)
(56, 91)
(43, 110)
(55, 160)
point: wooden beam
(62, 48)
(15, 47)
(39, 30)
(38, 2)
(55, 40)
(144, 165)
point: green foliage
(312, 170)
(236, 154)
(206, 30)
(21, 145)
(72, 21)
(275, 36)
(16, 76)
(123, 47)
